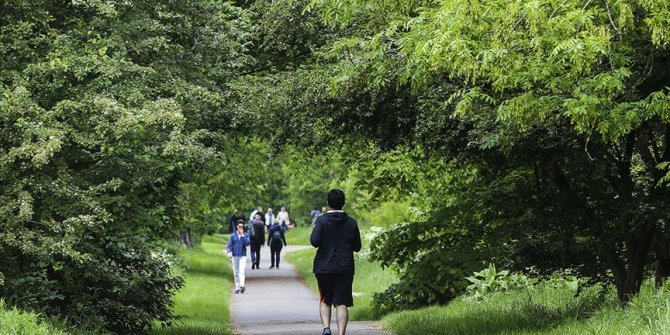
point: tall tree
(106, 109)
(560, 105)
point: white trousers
(239, 264)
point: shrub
(489, 280)
(16, 322)
(117, 282)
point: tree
(545, 93)
(107, 109)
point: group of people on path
(253, 234)
(336, 237)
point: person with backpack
(257, 240)
(258, 210)
(237, 251)
(276, 241)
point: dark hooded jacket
(337, 237)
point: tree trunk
(186, 238)
(662, 252)
(628, 277)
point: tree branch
(609, 14)
(647, 157)
(617, 266)
(557, 8)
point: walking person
(257, 240)
(315, 213)
(258, 210)
(282, 218)
(337, 237)
(269, 218)
(276, 241)
(237, 251)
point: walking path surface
(279, 302)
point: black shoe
(326, 331)
(237, 291)
(242, 289)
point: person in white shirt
(269, 218)
(282, 218)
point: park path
(280, 302)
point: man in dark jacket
(257, 240)
(337, 237)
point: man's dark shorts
(335, 288)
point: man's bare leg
(342, 318)
(324, 311)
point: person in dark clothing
(232, 222)
(276, 241)
(337, 237)
(257, 240)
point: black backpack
(259, 229)
(251, 229)
(276, 235)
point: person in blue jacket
(237, 251)
(337, 237)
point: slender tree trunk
(186, 238)
(629, 273)
(662, 266)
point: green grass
(369, 278)
(544, 310)
(202, 303)
(298, 235)
(14, 321)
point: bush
(117, 282)
(489, 280)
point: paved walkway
(279, 302)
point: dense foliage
(528, 133)
(523, 133)
(106, 109)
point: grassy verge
(369, 279)
(14, 321)
(202, 303)
(298, 235)
(547, 310)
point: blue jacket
(238, 246)
(337, 237)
